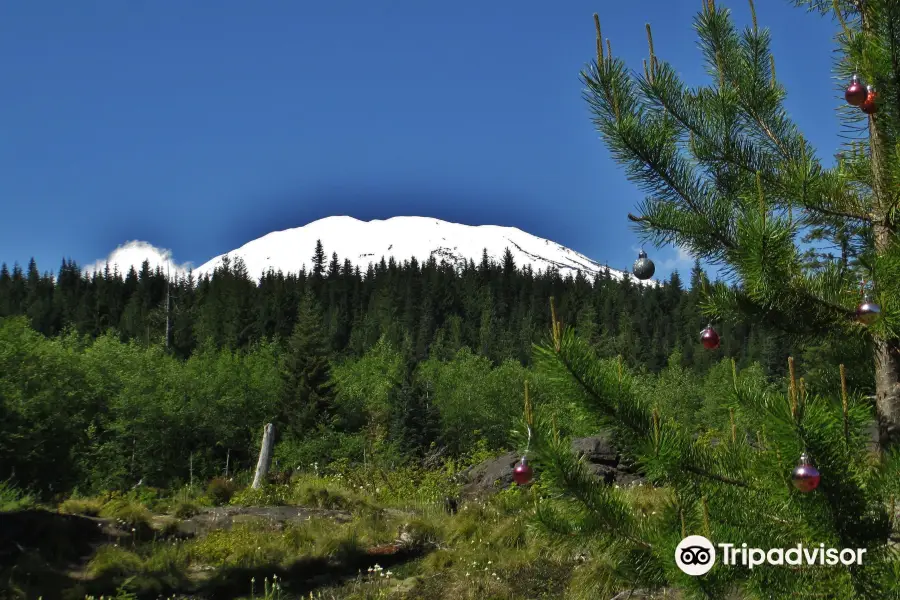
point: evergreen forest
(287, 343)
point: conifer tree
(738, 490)
(730, 177)
(318, 261)
(305, 370)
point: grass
(12, 498)
(86, 507)
(378, 545)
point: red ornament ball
(805, 477)
(709, 338)
(856, 93)
(869, 106)
(523, 473)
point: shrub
(127, 513)
(322, 497)
(114, 561)
(12, 498)
(270, 495)
(220, 491)
(88, 507)
(185, 509)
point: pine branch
(623, 411)
(714, 477)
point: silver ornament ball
(643, 267)
(868, 313)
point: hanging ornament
(869, 106)
(709, 338)
(643, 267)
(856, 93)
(868, 312)
(523, 473)
(805, 476)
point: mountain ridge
(366, 242)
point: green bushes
(220, 491)
(12, 498)
(87, 507)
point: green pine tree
(729, 176)
(735, 491)
(306, 371)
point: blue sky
(198, 126)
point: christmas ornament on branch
(709, 338)
(523, 472)
(855, 93)
(643, 267)
(868, 312)
(805, 476)
(869, 106)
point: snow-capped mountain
(365, 242)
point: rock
(626, 465)
(629, 480)
(605, 472)
(597, 449)
(491, 475)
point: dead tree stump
(265, 456)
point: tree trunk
(887, 368)
(887, 359)
(265, 455)
(887, 392)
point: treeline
(427, 310)
(85, 416)
(402, 363)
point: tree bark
(887, 359)
(887, 368)
(265, 455)
(887, 392)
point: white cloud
(133, 254)
(682, 259)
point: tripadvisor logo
(696, 555)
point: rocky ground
(71, 540)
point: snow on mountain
(365, 242)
